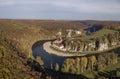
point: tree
(101, 62)
(39, 60)
(77, 65)
(72, 68)
(113, 58)
(110, 38)
(75, 45)
(93, 61)
(66, 67)
(57, 67)
(79, 45)
(83, 63)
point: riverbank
(47, 47)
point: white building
(69, 32)
(78, 32)
(103, 46)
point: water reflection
(50, 60)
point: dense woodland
(81, 64)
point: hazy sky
(61, 9)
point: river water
(49, 60)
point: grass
(113, 67)
(107, 72)
(97, 34)
(89, 74)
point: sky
(60, 9)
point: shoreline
(48, 49)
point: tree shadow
(49, 60)
(51, 74)
(109, 75)
(63, 75)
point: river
(49, 60)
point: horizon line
(57, 19)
